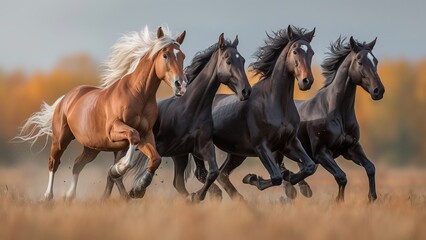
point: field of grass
(399, 212)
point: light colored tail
(38, 124)
(190, 168)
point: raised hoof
(250, 179)
(136, 193)
(306, 190)
(290, 190)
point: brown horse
(120, 112)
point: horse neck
(143, 83)
(280, 85)
(200, 93)
(341, 92)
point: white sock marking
(49, 189)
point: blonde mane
(128, 51)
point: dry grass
(399, 213)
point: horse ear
(290, 32)
(160, 32)
(235, 42)
(370, 45)
(354, 45)
(221, 42)
(310, 35)
(181, 37)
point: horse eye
(228, 62)
(165, 56)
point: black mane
(267, 56)
(338, 52)
(200, 60)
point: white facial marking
(304, 48)
(175, 51)
(370, 56)
(237, 55)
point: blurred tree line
(391, 129)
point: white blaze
(175, 52)
(370, 56)
(237, 55)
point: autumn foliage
(392, 129)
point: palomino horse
(328, 125)
(268, 121)
(185, 124)
(120, 112)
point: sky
(36, 34)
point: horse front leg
(147, 147)
(180, 163)
(295, 151)
(290, 190)
(357, 155)
(268, 161)
(201, 175)
(325, 158)
(205, 148)
(120, 132)
(118, 181)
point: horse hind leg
(85, 157)
(59, 143)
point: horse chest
(341, 137)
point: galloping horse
(268, 121)
(185, 124)
(120, 112)
(328, 125)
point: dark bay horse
(268, 121)
(329, 127)
(185, 124)
(120, 113)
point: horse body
(329, 127)
(119, 113)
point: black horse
(185, 124)
(328, 125)
(268, 121)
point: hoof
(216, 194)
(250, 179)
(47, 197)
(290, 190)
(285, 200)
(306, 190)
(193, 198)
(136, 193)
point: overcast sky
(35, 34)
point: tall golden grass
(399, 212)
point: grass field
(399, 212)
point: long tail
(38, 124)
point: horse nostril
(376, 91)
(244, 92)
(305, 81)
(177, 84)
